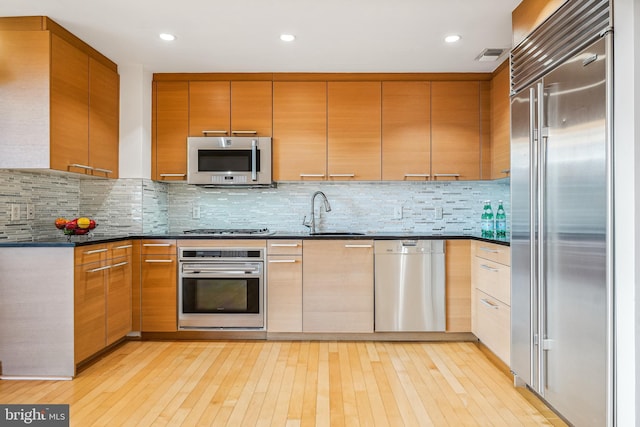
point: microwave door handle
(254, 160)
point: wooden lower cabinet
(458, 279)
(491, 283)
(284, 286)
(102, 296)
(338, 286)
(159, 311)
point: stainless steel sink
(335, 233)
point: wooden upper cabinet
(69, 107)
(209, 108)
(251, 107)
(406, 130)
(354, 121)
(171, 103)
(500, 124)
(104, 118)
(455, 130)
(529, 14)
(299, 131)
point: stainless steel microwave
(234, 160)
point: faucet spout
(311, 222)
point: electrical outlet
(397, 212)
(31, 211)
(15, 212)
(437, 213)
(195, 214)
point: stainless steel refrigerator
(561, 201)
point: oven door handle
(222, 270)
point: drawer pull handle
(107, 171)
(156, 244)
(285, 245)
(120, 264)
(95, 251)
(489, 304)
(486, 249)
(106, 267)
(358, 246)
(158, 260)
(311, 175)
(123, 247)
(173, 174)
(282, 261)
(486, 267)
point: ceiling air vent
(490, 55)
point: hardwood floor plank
(291, 384)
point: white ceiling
(243, 35)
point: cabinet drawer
(284, 293)
(493, 325)
(160, 246)
(493, 279)
(492, 252)
(90, 253)
(121, 249)
(284, 247)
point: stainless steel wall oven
(221, 288)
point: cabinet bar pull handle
(285, 245)
(206, 132)
(120, 264)
(358, 246)
(489, 304)
(173, 174)
(106, 267)
(342, 175)
(280, 261)
(311, 175)
(486, 267)
(123, 247)
(507, 171)
(158, 260)
(417, 175)
(455, 175)
(76, 165)
(107, 171)
(156, 244)
(244, 132)
(95, 251)
(486, 249)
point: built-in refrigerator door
(572, 261)
(523, 250)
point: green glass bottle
(487, 220)
(501, 221)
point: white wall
(135, 121)
(627, 207)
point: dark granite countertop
(63, 241)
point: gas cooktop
(231, 231)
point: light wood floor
(267, 383)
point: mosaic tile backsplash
(143, 206)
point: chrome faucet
(311, 223)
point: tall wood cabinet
(299, 131)
(500, 123)
(455, 130)
(62, 109)
(406, 131)
(353, 123)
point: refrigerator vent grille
(575, 25)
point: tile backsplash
(143, 206)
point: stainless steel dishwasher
(409, 285)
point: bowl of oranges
(76, 226)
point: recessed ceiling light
(452, 38)
(287, 37)
(167, 37)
